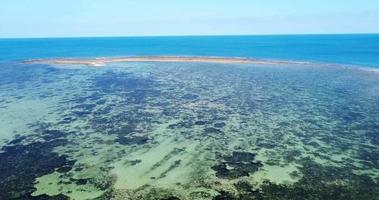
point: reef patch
(237, 165)
(22, 164)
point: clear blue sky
(67, 18)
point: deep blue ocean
(360, 49)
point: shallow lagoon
(188, 131)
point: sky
(82, 18)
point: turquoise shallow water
(159, 130)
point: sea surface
(183, 131)
(345, 49)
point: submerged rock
(200, 123)
(212, 130)
(129, 140)
(237, 165)
(220, 125)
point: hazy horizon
(116, 18)
(152, 36)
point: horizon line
(185, 35)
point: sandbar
(100, 62)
